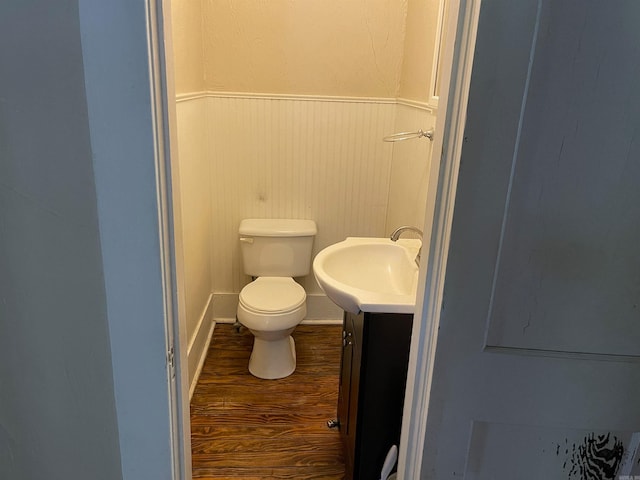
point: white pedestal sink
(369, 274)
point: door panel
(540, 329)
(568, 259)
(508, 451)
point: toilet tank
(276, 247)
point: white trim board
(407, 102)
(281, 96)
(457, 65)
(199, 344)
(201, 359)
(205, 316)
(186, 97)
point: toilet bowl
(271, 308)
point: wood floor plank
(275, 450)
(269, 430)
(202, 416)
(270, 473)
(246, 428)
(313, 375)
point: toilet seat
(272, 296)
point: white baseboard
(199, 344)
(321, 321)
(320, 310)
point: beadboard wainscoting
(319, 158)
(194, 183)
(296, 157)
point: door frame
(169, 210)
(462, 21)
(128, 117)
(163, 96)
(461, 29)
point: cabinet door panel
(374, 368)
(345, 382)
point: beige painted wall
(187, 45)
(368, 48)
(419, 45)
(328, 47)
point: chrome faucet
(400, 230)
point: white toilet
(274, 251)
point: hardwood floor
(243, 427)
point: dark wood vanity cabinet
(373, 376)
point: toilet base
(272, 358)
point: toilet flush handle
(246, 239)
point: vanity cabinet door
(347, 416)
(372, 383)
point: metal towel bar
(398, 137)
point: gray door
(537, 372)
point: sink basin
(369, 274)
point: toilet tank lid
(277, 227)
